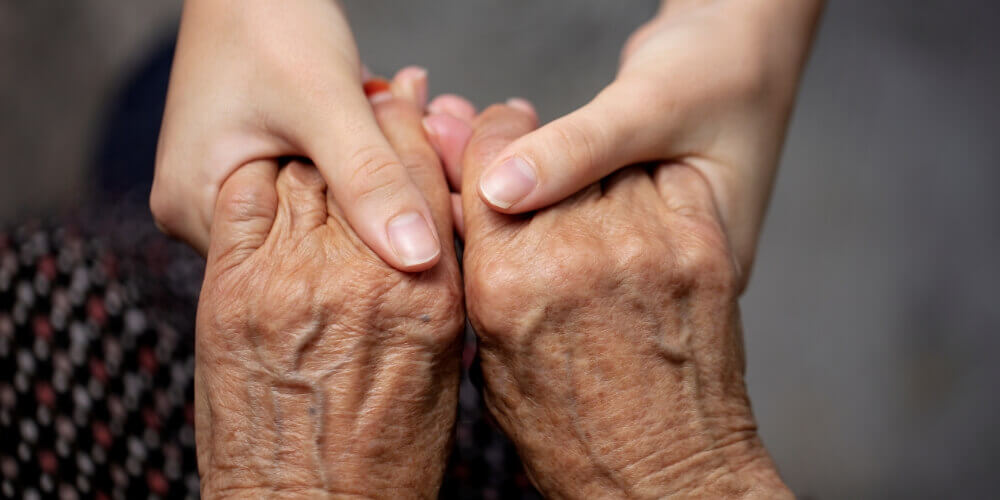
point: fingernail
(379, 97)
(508, 183)
(413, 84)
(450, 104)
(432, 133)
(412, 239)
(521, 104)
(430, 126)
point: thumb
(244, 211)
(383, 205)
(554, 162)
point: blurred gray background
(872, 319)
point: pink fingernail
(509, 182)
(412, 239)
(450, 104)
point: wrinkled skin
(610, 335)
(322, 371)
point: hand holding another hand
(256, 80)
(320, 369)
(610, 333)
(708, 84)
(604, 256)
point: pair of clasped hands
(604, 254)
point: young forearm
(788, 25)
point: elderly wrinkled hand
(320, 368)
(609, 332)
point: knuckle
(375, 174)
(250, 202)
(442, 315)
(425, 314)
(702, 259)
(507, 296)
(580, 139)
(418, 156)
(494, 287)
(573, 269)
(639, 254)
(306, 177)
(392, 109)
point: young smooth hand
(707, 84)
(257, 80)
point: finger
(456, 214)
(379, 199)
(633, 190)
(557, 160)
(493, 131)
(454, 106)
(400, 120)
(244, 211)
(684, 191)
(301, 198)
(449, 136)
(410, 83)
(687, 193)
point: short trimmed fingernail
(411, 238)
(509, 182)
(521, 104)
(450, 104)
(413, 79)
(380, 97)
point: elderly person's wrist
(739, 469)
(294, 421)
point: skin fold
(322, 371)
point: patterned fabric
(96, 366)
(95, 391)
